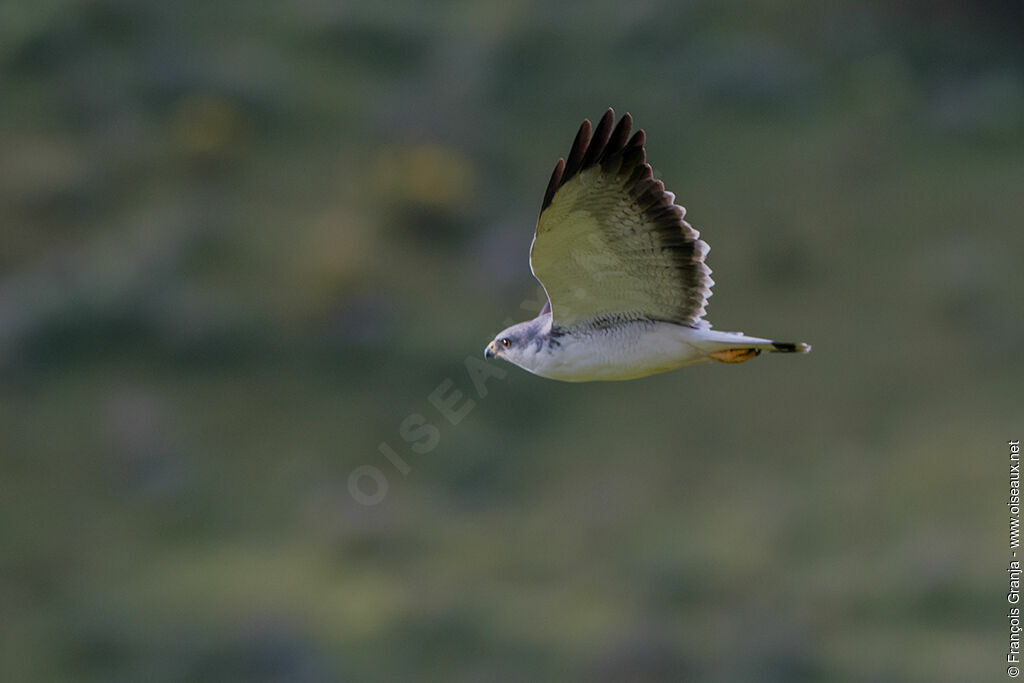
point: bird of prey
(624, 273)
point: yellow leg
(734, 355)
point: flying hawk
(624, 273)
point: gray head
(520, 343)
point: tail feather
(789, 347)
(736, 347)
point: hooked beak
(490, 351)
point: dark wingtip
(599, 140)
(602, 144)
(574, 162)
(553, 184)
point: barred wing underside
(611, 244)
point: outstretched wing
(611, 243)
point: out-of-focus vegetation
(240, 243)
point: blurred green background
(241, 243)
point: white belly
(621, 352)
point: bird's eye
(506, 342)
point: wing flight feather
(611, 243)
